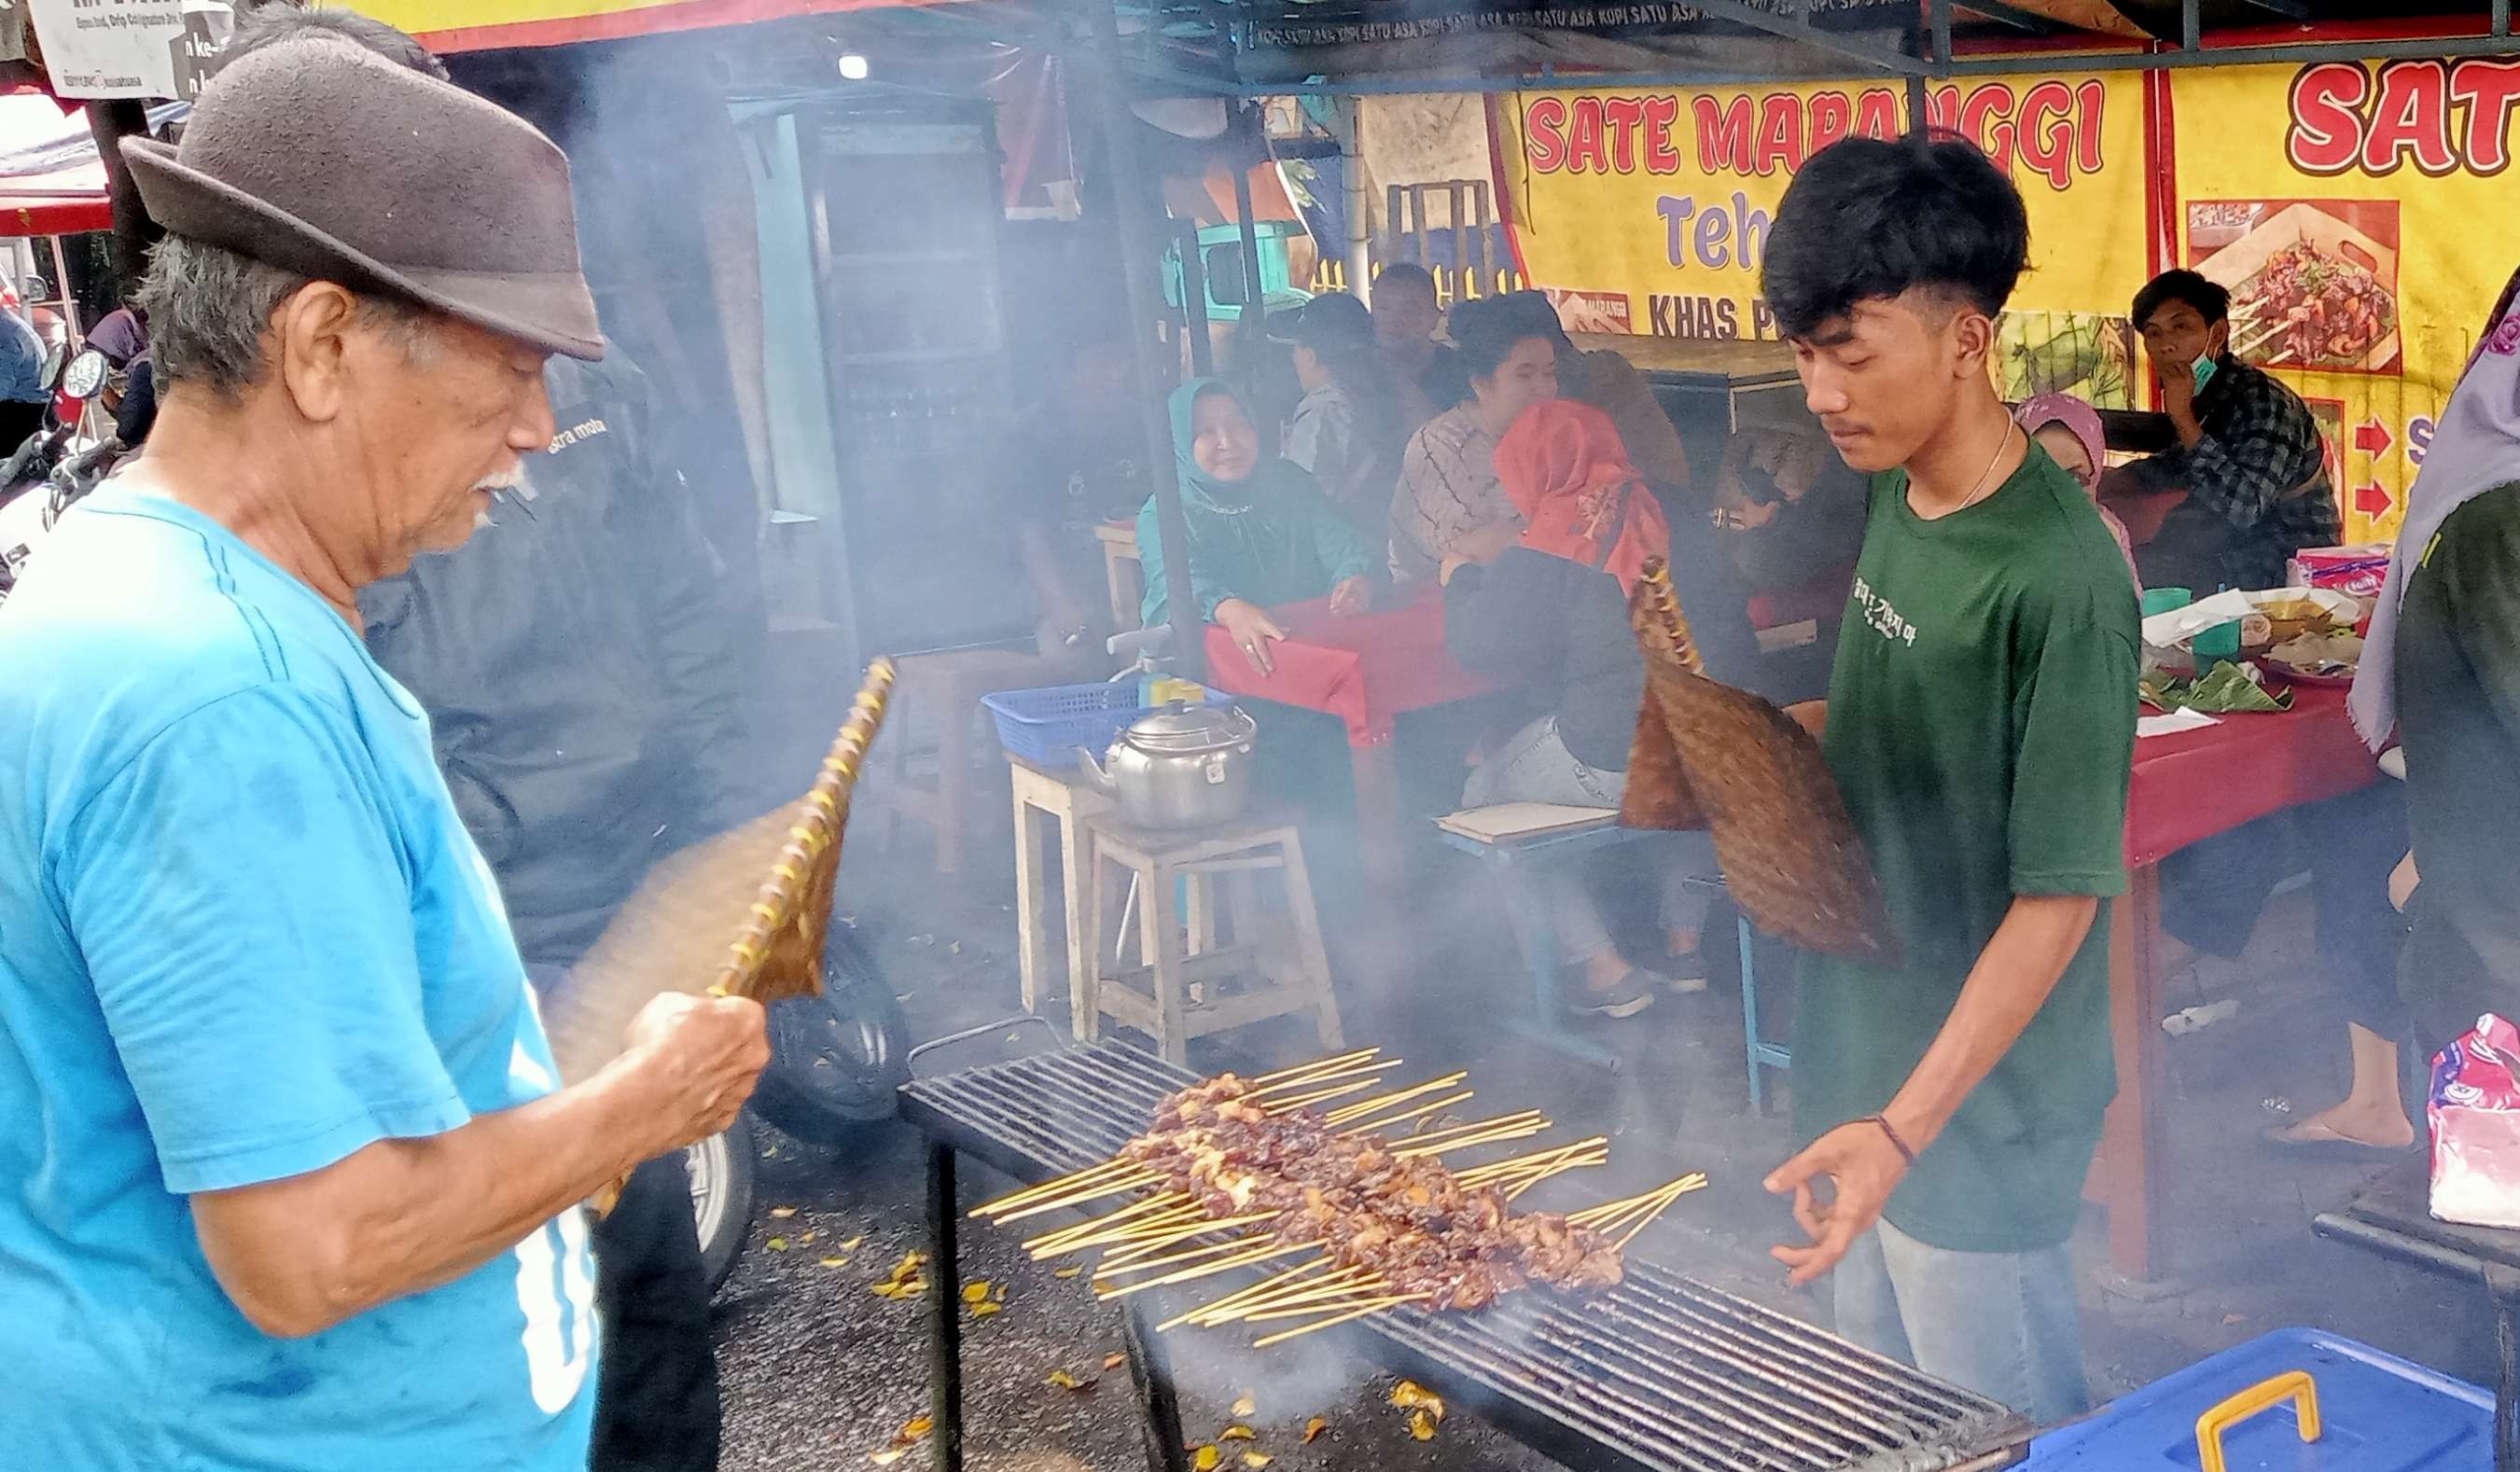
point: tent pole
(1254, 296)
(1139, 225)
(1360, 259)
(134, 232)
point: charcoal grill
(1658, 1373)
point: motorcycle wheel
(721, 1169)
(837, 1060)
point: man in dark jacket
(575, 660)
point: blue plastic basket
(1045, 726)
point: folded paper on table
(2162, 630)
(2177, 721)
(1708, 755)
(1498, 821)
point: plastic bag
(2475, 1113)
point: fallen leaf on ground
(1065, 1381)
(983, 1311)
(1205, 1458)
(1115, 1360)
(1409, 1395)
(1421, 1425)
(1248, 1407)
(2235, 1319)
(806, 1236)
(1065, 1271)
(916, 1427)
(1313, 1428)
(782, 1212)
(976, 1293)
(776, 1244)
(836, 1262)
(851, 1245)
(1256, 1459)
(1238, 1433)
(888, 1455)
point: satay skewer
(1532, 1118)
(1354, 1282)
(1299, 1071)
(1275, 1282)
(1200, 1228)
(1446, 1102)
(1375, 1307)
(1489, 1133)
(1369, 1301)
(1363, 1108)
(1110, 1186)
(1057, 1186)
(1202, 1270)
(1110, 1270)
(1171, 1201)
(1319, 1095)
(1537, 1159)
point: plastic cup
(2163, 600)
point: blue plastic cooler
(2374, 1412)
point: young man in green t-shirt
(1980, 723)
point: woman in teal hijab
(1260, 532)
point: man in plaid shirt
(2249, 456)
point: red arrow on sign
(2372, 438)
(2373, 500)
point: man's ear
(1972, 339)
(2218, 338)
(309, 340)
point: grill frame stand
(1757, 1372)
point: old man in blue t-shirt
(291, 1182)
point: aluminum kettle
(1181, 765)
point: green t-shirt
(1981, 724)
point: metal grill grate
(1659, 1372)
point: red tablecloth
(1363, 668)
(2197, 784)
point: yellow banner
(1649, 212)
(2357, 211)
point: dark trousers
(2212, 892)
(655, 1404)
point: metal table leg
(2503, 1283)
(945, 1310)
(1151, 1370)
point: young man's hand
(1862, 1168)
(2179, 400)
(1352, 596)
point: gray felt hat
(328, 160)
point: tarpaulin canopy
(447, 26)
(51, 181)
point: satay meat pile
(1403, 1216)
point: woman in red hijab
(1549, 617)
(1564, 469)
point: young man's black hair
(1867, 218)
(1487, 330)
(2210, 299)
(1404, 275)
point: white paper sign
(109, 48)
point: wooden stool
(1043, 796)
(949, 683)
(1185, 985)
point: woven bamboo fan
(743, 914)
(1708, 755)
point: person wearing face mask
(2248, 457)
(1260, 533)
(1450, 502)
(1405, 319)
(2069, 431)
(1980, 724)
